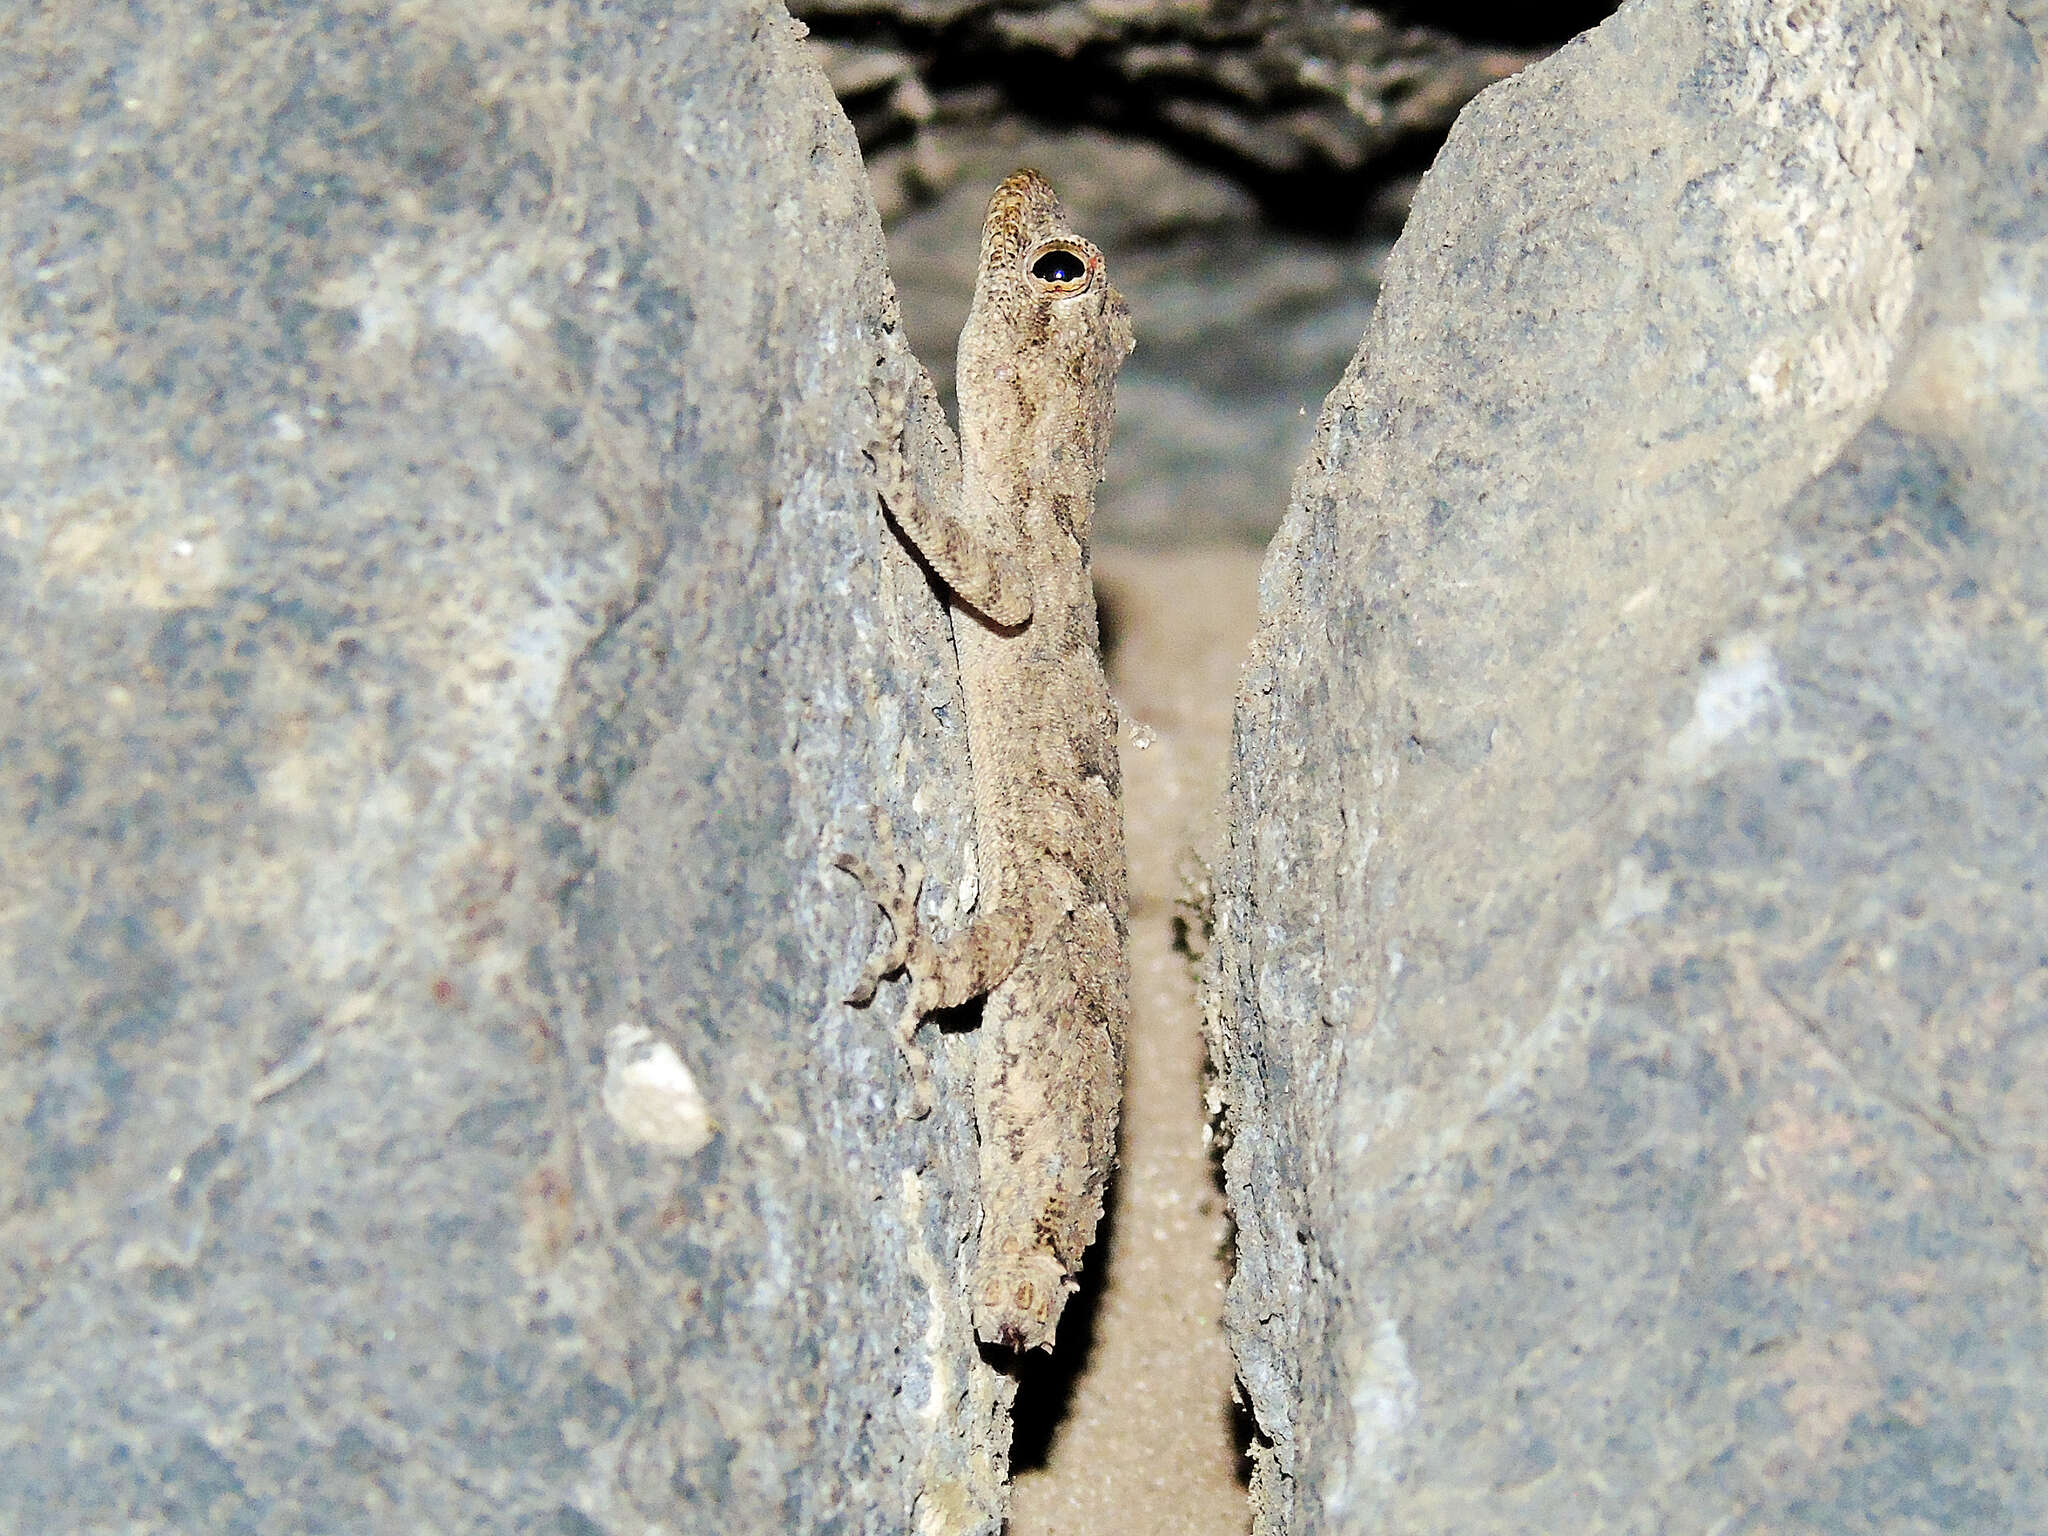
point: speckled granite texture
(445, 629)
(1633, 996)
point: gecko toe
(915, 1059)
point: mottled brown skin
(1037, 373)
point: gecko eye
(1060, 267)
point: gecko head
(1048, 330)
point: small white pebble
(650, 1094)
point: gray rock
(448, 629)
(1632, 989)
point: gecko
(1046, 947)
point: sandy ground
(1130, 1429)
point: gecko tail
(1018, 1298)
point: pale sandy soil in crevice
(1130, 1431)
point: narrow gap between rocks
(1130, 1427)
(1250, 285)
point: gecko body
(1037, 372)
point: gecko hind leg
(909, 951)
(898, 900)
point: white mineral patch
(650, 1094)
(1385, 1397)
(1742, 692)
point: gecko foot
(898, 900)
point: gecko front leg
(980, 566)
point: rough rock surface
(1633, 994)
(446, 634)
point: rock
(449, 629)
(1632, 988)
